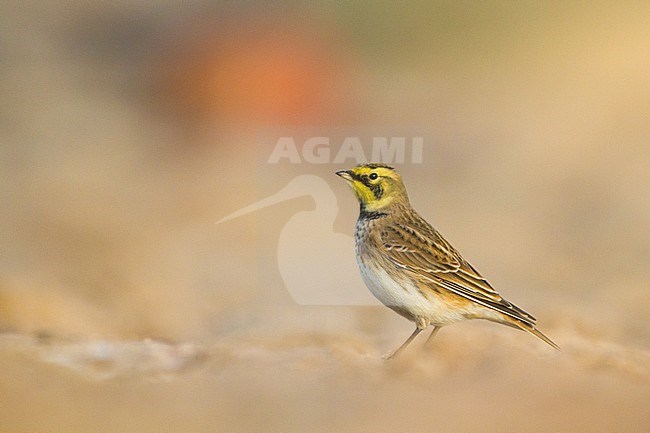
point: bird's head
(377, 186)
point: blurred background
(127, 129)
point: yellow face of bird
(376, 186)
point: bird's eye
(373, 176)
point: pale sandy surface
(323, 381)
(124, 307)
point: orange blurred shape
(266, 75)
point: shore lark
(412, 269)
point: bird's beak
(345, 174)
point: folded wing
(416, 246)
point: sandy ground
(127, 131)
(324, 381)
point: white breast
(404, 295)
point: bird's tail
(532, 330)
(537, 333)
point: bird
(412, 269)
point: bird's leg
(433, 334)
(406, 343)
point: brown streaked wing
(415, 245)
